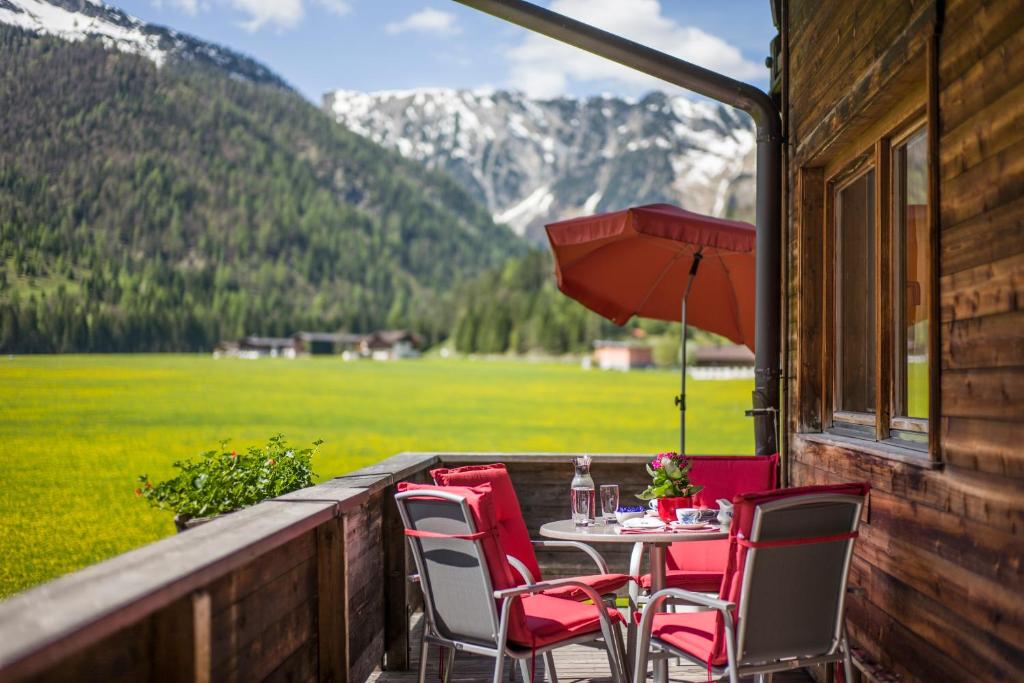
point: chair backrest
(515, 537)
(722, 476)
(454, 539)
(790, 553)
(726, 476)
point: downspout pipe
(768, 218)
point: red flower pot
(667, 507)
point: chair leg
(524, 669)
(449, 664)
(847, 661)
(620, 651)
(499, 667)
(424, 653)
(549, 667)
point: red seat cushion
(515, 537)
(551, 620)
(602, 583)
(725, 476)
(691, 580)
(692, 633)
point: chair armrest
(521, 568)
(691, 598)
(532, 588)
(602, 565)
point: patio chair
(699, 566)
(782, 600)
(515, 538)
(471, 600)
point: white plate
(643, 523)
(679, 526)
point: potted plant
(220, 481)
(670, 484)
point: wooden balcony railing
(309, 586)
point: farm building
(325, 343)
(391, 345)
(621, 355)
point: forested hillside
(146, 209)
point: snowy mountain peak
(534, 161)
(77, 20)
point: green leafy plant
(670, 478)
(223, 480)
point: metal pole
(681, 399)
(769, 172)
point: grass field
(75, 431)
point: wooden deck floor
(574, 664)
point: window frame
(897, 422)
(850, 422)
(913, 436)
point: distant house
(326, 343)
(391, 345)
(266, 347)
(731, 361)
(730, 355)
(624, 356)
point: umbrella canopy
(637, 261)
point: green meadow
(76, 431)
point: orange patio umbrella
(645, 260)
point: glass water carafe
(582, 492)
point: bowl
(622, 515)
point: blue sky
(322, 45)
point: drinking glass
(582, 504)
(609, 501)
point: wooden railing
(309, 586)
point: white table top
(566, 530)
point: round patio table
(566, 530)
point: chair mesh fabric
(785, 577)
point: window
(911, 269)
(855, 295)
(880, 299)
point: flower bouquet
(670, 484)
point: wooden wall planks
(941, 559)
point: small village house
(622, 355)
(391, 345)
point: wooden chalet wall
(939, 560)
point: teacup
(688, 515)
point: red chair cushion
(693, 633)
(551, 620)
(515, 537)
(602, 583)
(725, 476)
(691, 580)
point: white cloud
(425, 21)
(280, 13)
(190, 7)
(339, 7)
(544, 67)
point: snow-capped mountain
(77, 20)
(535, 161)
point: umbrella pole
(681, 400)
